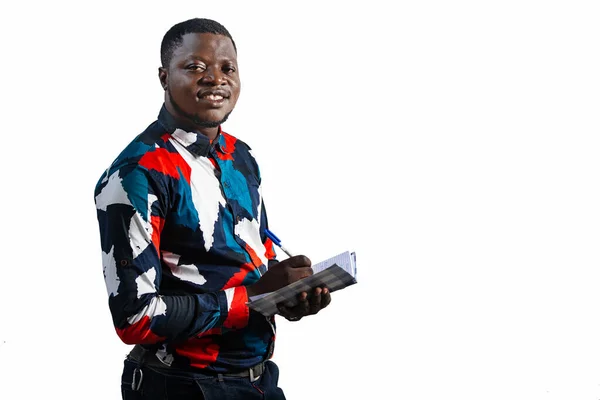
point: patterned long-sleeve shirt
(182, 228)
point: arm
(131, 208)
(267, 242)
(307, 304)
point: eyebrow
(223, 59)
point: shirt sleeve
(131, 208)
(268, 243)
(270, 253)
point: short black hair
(174, 36)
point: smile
(216, 97)
(212, 97)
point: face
(201, 82)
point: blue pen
(277, 242)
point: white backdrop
(453, 145)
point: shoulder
(154, 137)
(238, 146)
(233, 143)
(242, 155)
(145, 148)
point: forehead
(206, 46)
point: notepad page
(345, 260)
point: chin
(212, 116)
(210, 121)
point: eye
(196, 67)
(228, 69)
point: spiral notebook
(335, 273)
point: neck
(210, 133)
(188, 122)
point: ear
(162, 76)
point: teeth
(213, 97)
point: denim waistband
(145, 357)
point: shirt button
(226, 184)
(238, 218)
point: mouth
(214, 97)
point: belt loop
(135, 386)
(220, 377)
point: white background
(453, 145)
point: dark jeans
(164, 384)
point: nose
(212, 75)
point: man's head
(199, 73)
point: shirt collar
(195, 142)
(224, 142)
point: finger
(303, 306)
(315, 301)
(283, 310)
(299, 273)
(291, 303)
(325, 297)
(288, 313)
(297, 261)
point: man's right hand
(281, 274)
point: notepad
(334, 273)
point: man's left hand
(307, 304)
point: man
(183, 234)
